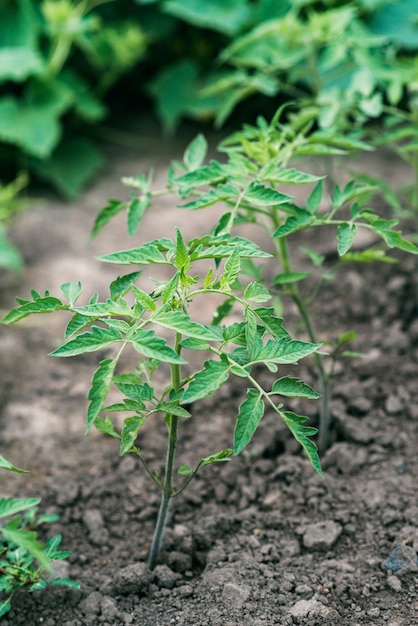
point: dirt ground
(260, 541)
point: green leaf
(219, 457)
(100, 385)
(208, 175)
(136, 210)
(278, 175)
(151, 252)
(104, 216)
(5, 464)
(11, 506)
(97, 339)
(184, 470)
(47, 304)
(256, 292)
(195, 153)
(27, 540)
(231, 270)
(71, 291)
(5, 607)
(250, 327)
(105, 426)
(272, 323)
(153, 347)
(204, 382)
(144, 299)
(265, 196)
(290, 277)
(122, 284)
(301, 433)
(226, 17)
(10, 257)
(250, 414)
(181, 255)
(172, 408)
(130, 432)
(181, 323)
(294, 223)
(293, 388)
(220, 194)
(284, 351)
(314, 201)
(345, 237)
(17, 63)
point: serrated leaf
(77, 323)
(136, 209)
(170, 289)
(11, 506)
(195, 344)
(48, 304)
(145, 342)
(102, 309)
(132, 426)
(209, 175)
(5, 607)
(272, 323)
(106, 214)
(100, 385)
(301, 433)
(122, 284)
(294, 223)
(105, 426)
(204, 382)
(181, 323)
(231, 270)
(274, 174)
(250, 414)
(144, 299)
(315, 198)
(195, 152)
(181, 256)
(71, 291)
(345, 237)
(290, 277)
(265, 196)
(172, 408)
(148, 253)
(293, 388)
(220, 194)
(96, 339)
(250, 328)
(64, 582)
(256, 292)
(285, 351)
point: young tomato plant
(133, 317)
(24, 560)
(248, 182)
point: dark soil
(260, 541)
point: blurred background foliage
(73, 73)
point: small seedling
(24, 560)
(248, 183)
(158, 325)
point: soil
(260, 541)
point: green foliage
(47, 95)
(10, 204)
(159, 327)
(24, 560)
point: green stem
(167, 490)
(324, 377)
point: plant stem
(324, 377)
(167, 490)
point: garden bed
(260, 541)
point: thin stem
(323, 375)
(167, 490)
